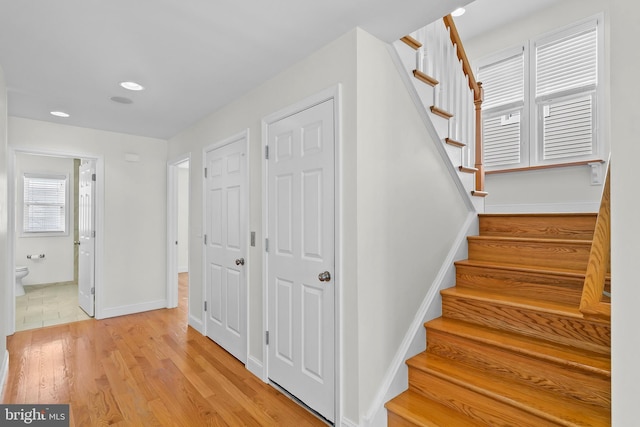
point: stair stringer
(396, 379)
(423, 97)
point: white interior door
(300, 258)
(226, 260)
(86, 226)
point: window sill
(533, 168)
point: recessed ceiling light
(60, 114)
(132, 86)
(458, 12)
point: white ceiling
(192, 56)
(484, 15)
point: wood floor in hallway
(146, 369)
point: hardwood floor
(146, 369)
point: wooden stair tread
(524, 302)
(557, 271)
(551, 225)
(454, 143)
(440, 112)
(519, 239)
(425, 78)
(539, 282)
(420, 410)
(535, 251)
(554, 321)
(467, 169)
(411, 42)
(583, 360)
(529, 399)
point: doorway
(44, 234)
(301, 257)
(226, 227)
(178, 229)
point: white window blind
(541, 100)
(566, 77)
(568, 63)
(502, 139)
(568, 128)
(503, 81)
(45, 200)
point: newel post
(477, 101)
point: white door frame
(327, 94)
(239, 136)
(11, 232)
(172, 227)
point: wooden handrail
(591, 304)
(462, 55)
(478, 98)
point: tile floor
(46, 305)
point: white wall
(401, 211)
(134, 240)
(558, 189)
(409, 214)
(57, 266)
(6, 277)
(183, 219)
(625, 227)
(329, 66)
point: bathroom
(46, 262)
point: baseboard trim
(133, 308)
(4, 373)
(196, 324)
(414, 342)
(256, 368)
(346, 422)
(543, 207)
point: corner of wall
(414, 342)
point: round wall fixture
(121, 100)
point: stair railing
(478, 97)
(592, 304)
(442, 63)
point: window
(541, 100)
(45, 204)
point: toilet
(21, 272)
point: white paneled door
(300, 257)
(86, 229)
(226, 263)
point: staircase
(511, 347)
(439, 78)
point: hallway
(142, 369)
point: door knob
(240, 261)
(325, 276)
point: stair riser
(556, 379)
(394, 420)
(572, 255)
(477, 406)
(546, 226)
(570, 331)
(541, 286)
